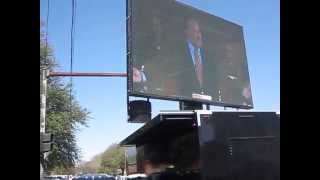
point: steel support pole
(43, 96)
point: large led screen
(178, 52)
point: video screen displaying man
(179, 52)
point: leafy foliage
(90, 166)
(112, 159)
(64, 116)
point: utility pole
(43, 96)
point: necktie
(198, 66)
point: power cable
(74, 6)
(46, 63)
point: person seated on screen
(234, 85)
(151, 64)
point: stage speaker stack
(139, 111)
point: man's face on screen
(193, 33)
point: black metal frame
(185, 117)
(129, 51)
(153, 96)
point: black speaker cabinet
(139, 111)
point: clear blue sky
(100, 47)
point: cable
(72, 51)
(46, 37)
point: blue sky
(100, 47)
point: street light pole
(43, 96)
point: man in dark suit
(194, 73)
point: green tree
(59, 121)
(112, 159)
(91, 166)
